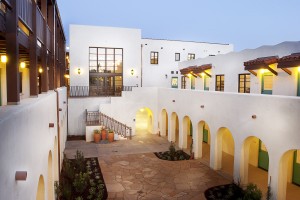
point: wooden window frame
(216, 87)
(183, 82)
(244, 83)
(191, 56)
(154, 55)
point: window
(219, 82)
(183, 82)
(154, 57)
(191, 56)
(244, 83)
(174, 82)
(105, 60)
(177, 56)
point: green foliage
(79, 162)
(252, 192)
(69, 171)
(81, 182)
(96, 131)
(79, 198)
(172, 149)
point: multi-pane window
(244, 83)
(191, 56)
(177, 56)
(154, 57)
(106, 60)
(219, 82)
(183, 82)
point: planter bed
(81, 179)
(177, 155)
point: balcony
(97, 91)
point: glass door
(267, 83)
(206, 83)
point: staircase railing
(94, 118)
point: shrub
(81, 182)
(68, 167)
(252, 192)
(79, 162)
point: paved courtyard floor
(131, 170)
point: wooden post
(12, 50)
(33, 55)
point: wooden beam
(33, 56)
(287, 71)
(271, 70)
(207, 74)
(253, 72)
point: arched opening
(50, 177)
(164, 123)
(203, 141)
(175, 128)
(187, 133)
(255, 163)
(144, 121)
(224, 151)
(55, 156)
(289, 175)
(40, 194)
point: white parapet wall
(27, 143)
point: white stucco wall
(25, 142)
(82, 37)
(77, 114)
(232, 64)
(154, 75)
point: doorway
(267, 83)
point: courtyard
(132, 171)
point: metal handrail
(97, 91)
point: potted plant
(97, 137)
(110, 135)
(103, 133)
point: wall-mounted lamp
(202, 106)
(299, 69)
(51, 125)
(3, 59)
(253, 116)
(166, 75)
(67, 76)
(22, 65)
(173, 101)
(78, 71)
(132, 72)
(202, 74)
(40, 70)
(21, 175)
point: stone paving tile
(131, 170)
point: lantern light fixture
(3, 58)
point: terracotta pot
(103, 134)
(111, 136)
(97, 137)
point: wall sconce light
(67, 76)
(22, 65)
(253, 116)
(299, 69)
(166, 75)
(173, 101)
(78, 71)
(40, 70)
(21, 175)
(132, 72)
(60, 109)
(3, 59)
(202, 106)
(51, 125)
(202, 74)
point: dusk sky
(243, 23)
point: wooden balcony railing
(25, 12)
(97, 91)
(94, 118)
(40, 22)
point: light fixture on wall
(166, 75)
(254, 116)
(202, 74)
(22, 65)
(299, 69)
(78, 71)
(132, 72)
(3, 59)
(40, 70)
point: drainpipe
(58, 130)
(141, 65)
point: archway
(187, 133)
(50, 177)
(144, 121)
(224, 151)
(255, 163)
(56, 166)
(164, 123)
(40, 194)
(289, 175)
(175, 128)
(203, 141)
